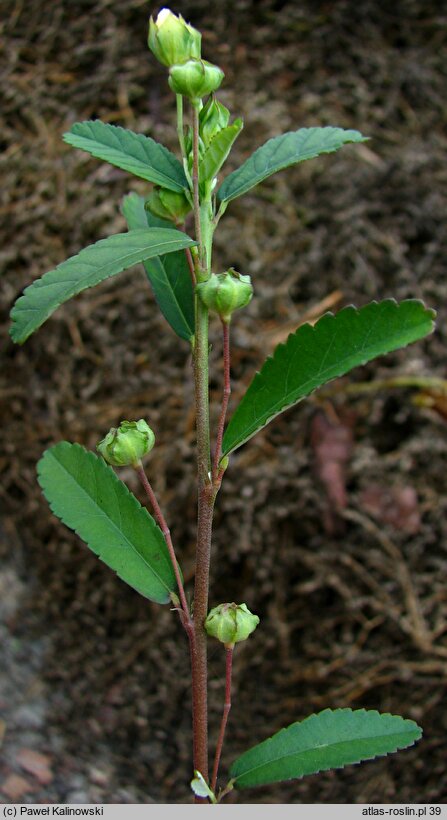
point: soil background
(331, 523)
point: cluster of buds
(127, 444)
(223, 293)
(169, 205)
(213, 118)
(177, 45)
(231, 623)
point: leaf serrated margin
(110, 256)
(153, 546)
(281, 152)
(257, 409)
(330, 739)
(139, 155)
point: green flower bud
(195, 79)
(231, 623)
(168, 205)
(172, 40)
(127, 444)
(212, 118)
(225, 292)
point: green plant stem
(206, 494)
(195, 183)
(181, 135)
(225, 399)
(226, 712)
(185, 615)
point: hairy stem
(225, 399)
(206, 493)
(226, 712)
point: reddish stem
(192, 269)
(206, 497)
(225, 399)
(186, 618)
(226, 712)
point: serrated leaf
(328, 740)
(84, 492)
(136, 153)
(168, 274)
(280, 152)
(218, 150)
(313, 356)
(89, 267)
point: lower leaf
(327, 740)
(86, 494)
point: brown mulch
(94, 688)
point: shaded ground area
(94, 687)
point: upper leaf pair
(168, 274)
(145, 158)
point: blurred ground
(94, 687)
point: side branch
(186, 618)
(226, 712)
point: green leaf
(139, 155)
(328, 740)
(313, 356)
(280, 152)
(168, 274)
(89, 267)
(218, 150)
(84, 492)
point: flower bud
(127, 444)
(225, 292)
(168, 205)
(231, 623)
(172, 40)
(195, 79)
(212, 118)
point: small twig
(217, 475)
(185, 615)
(433, 383)
(418, 628)
(226, 712)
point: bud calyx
(212, 118)
(231, 623)
(127, 444)
(195, 79)
(168, 205)
(226, 292)
(172, 40)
